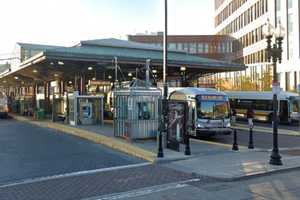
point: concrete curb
(257, 175)
(97, 138)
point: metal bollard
(250, 145)
(160, 153)
(235, 146)
(187, 151)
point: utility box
(136, 112)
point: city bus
(262, 104)
(3, 105)
(209, 110)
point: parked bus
(209, 110)
(262, 104)
(3, 105)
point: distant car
(3, 105)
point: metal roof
(37, 46)
(4, 67)
(94, 50)
(100, 54)
(112, 42)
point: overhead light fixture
(182, 68)
(60, 62)
(22, 82)
(56, 75)
(51, 63)
(134, 78)
(109, 77)
(94, 78)
(70, 82)
(90, 68)
(34, 71)
(130, 74)
(154, 71)
(16, 77)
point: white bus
(262, 104)
(209, 110)
(3, 105)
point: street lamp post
(274, 53)
(163, 128)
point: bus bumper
(213, 131)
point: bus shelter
(95, 61)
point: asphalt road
(260, 139)
(27, 152)
(294, 126)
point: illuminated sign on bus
(212, 97)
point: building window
(180, 46)
(205, 47)
(290, 4)
(172, 46)
(278, 5)
(200, 48)
(186, 47)
(290, 36)
(193, 48)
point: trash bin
(40, 114)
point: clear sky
(65, 22)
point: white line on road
(46, 178)
(145, 191)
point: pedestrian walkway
(208, 158)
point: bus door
(284, 111)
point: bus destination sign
(212, 97)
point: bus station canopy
(96, 58)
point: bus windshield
(212, 109)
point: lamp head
(268, 29)
(279, 32)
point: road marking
(79, 173)
(145, 191)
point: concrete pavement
(283, 186)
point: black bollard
(160, 153)
(250, 145)
(187, 151)
(235, 146)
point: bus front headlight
(200, 125)
(227, 124)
